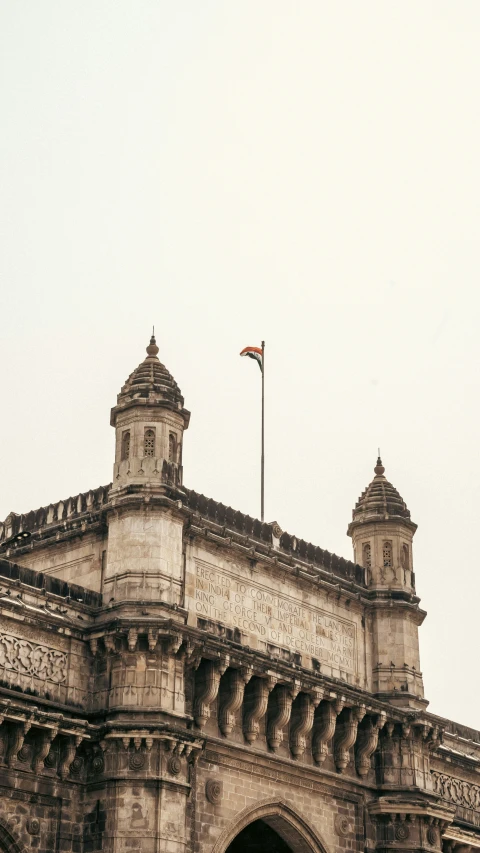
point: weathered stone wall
(74, 561)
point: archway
(258, 837)
(8, 840)
(269, 827)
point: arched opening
(8, 841)
(269, 827)
(259, 837)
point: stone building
(176, 676)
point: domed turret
(382, 533)
(149, 419)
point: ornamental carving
(136, 761)
(33, 826)
(456, 791)
(402, 831)
(342, 825)
(174, 765)
(213, 791)
(31, 659)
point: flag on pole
(255, 353)
(258, 353)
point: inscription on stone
(274, 618)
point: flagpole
(263, 435)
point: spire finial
(152, 349)
(379, 469)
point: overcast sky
(306, 172)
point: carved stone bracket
(368, 742)
(237, 679)
(45, 742)
(346, 735)
(132, 639)
(15, 741)
(324, 728)
(173, 643)
(301, 725)
(206, 688)
(256, 708)
(69, 751)
(280, 715)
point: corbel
(257, 707)
(137, 742)
(368, 742)
(71, 744)
(109, 640)
(15, 741)
(126, 742)
(206, 688)
(132, 639)
(237, 679)
(173, 644)
(346, 735)
(46, 739)
(93, 643)
(301, 725)
(324, 728)
(152, 638)
(280, 715)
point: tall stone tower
(144, 559)
(382, 533)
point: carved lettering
(272, 618)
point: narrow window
(172, 449)
(149, 443)
(387, 554)
(126, 445)
(367, 556)
(405, 557)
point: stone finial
(379, 469)
(152, 349)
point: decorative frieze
(457, 791)
(32, 659)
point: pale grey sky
(306, 172)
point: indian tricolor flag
(255, 353)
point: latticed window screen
(126, 445)
(387, 554)
(367, 556)
(149, 443)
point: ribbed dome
(150, 384)
(380, 500)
